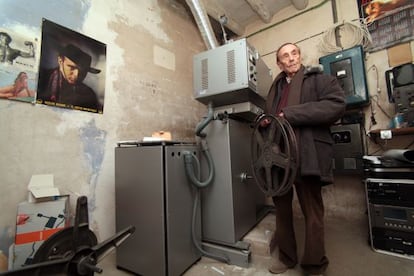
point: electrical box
(349, 68)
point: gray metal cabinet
(153, 194)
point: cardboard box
(36, 222)
(399, 54)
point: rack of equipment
(389, 189)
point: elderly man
(310, 101)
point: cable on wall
(355, 34)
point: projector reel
(274, 155)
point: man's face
(289, 59)
(69, 70)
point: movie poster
(18, 66)
(390, 22)
(72, 70)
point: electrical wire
(374, 67)
(372, 118)
(193, 171)
(375, 99)
(356, 34)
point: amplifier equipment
(398, 173)
(389, 187)
(393, 192)
(382, 168)
(398, 242)
(392, 217)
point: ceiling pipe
(300, 4)
(203, 23)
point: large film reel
(274, 155)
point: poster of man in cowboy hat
(72, 70)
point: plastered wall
(148, 88)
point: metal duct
(203, 23)
(300, 4)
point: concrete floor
(347, 248)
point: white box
(41, 188)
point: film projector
(73, 250)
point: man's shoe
(278, 267)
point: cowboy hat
(82, 59)
(8, 38)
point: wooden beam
(300, 4)
(260, 8)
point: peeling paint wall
(148, 88)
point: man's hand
(265, 122)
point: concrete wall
(148, 87)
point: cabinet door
(139, 195)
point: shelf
(395, 131)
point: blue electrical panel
(348, 67)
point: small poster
(72, 70)
(18, 66)
(389, 22)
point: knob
(244, 177)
